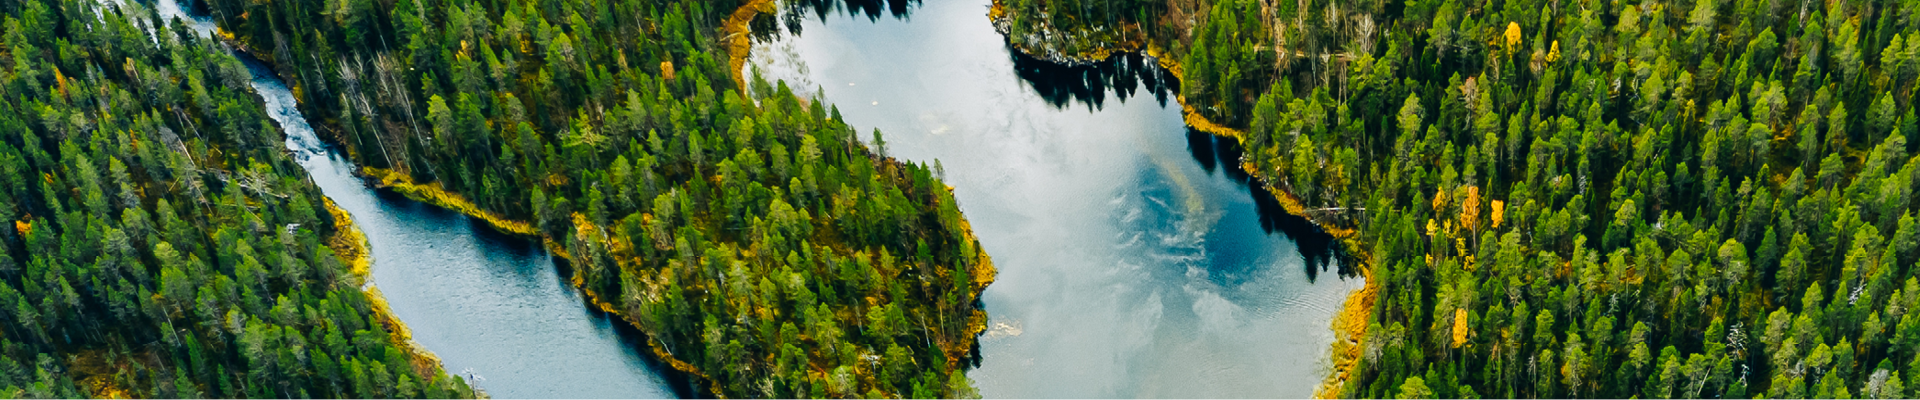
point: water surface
(491, 306)
(1135, 261)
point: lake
(1134, 258)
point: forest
(159, 240)
(763, 248)
(1695, 198)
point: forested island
(760, 245)
(159, 240)
(1573, 198)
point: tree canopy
(1705, 198)
(158, 240)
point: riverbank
(432, 193)
(622, 253)
(349, 244)
(1349, 325)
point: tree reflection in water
(1124, 74)
(767, 27)
(1316, 246)
(872, 9)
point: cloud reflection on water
(1133, 262)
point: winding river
(1135, 260)
(491, 306)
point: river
(1135, 260)
(489, 305)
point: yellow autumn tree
(1512, 35)
(1470, 208)
(1459, 327)
(1499, 212)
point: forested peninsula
(760, 245)
(159, 240)
(1706, 198)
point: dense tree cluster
(754, 237)
(1228, 63)
(1079, 31)
(158, 240)
(1698, 198)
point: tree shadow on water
(1125, 75)
(1318, 248)
(872, 9)
(767, 27)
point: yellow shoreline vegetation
(350, 245)
(737, 32)
(432, 193)
(983, 274)
(347, 242)
(622, 253)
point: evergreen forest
(159, 241)
(1576, 198)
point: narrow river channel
(1135, 261)
(489, 305)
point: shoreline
(1350, 323)
(737, 31)
(350, 245)
(580, 224)
(432, 193)
(1136, 39)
